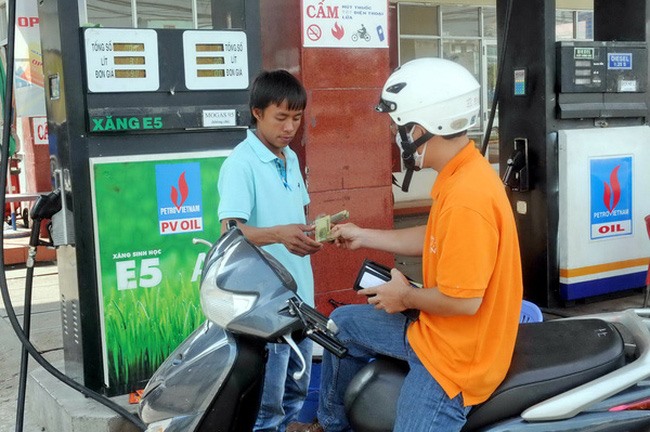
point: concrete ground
(46, 336)
(50, 405)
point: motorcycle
(584, 374)
(213, 380)
(574, 374)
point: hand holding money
(323, 225)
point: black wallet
(372, 274)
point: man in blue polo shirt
(261, 187)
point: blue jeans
(283, 396)
(422, 405)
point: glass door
(488, 84)
(489, 81)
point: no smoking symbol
(314, 32)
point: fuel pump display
(574, 148)
(124, 60)
(587, 67)
(601, 175)
(140, 121)
(215, 60)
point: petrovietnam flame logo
(612, 193)
(179, 195)
(338, 31)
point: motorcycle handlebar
(318, 328)
(313, 315)
(331, 344)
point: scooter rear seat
(550, 358)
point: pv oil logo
(178, 187)
(611, 197)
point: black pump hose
(4, 290)
(27, 315)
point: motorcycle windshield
(247, 269)
(251, 289)
(179, 387)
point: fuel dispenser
(140, 121)
(574, 145)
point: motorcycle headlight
(221, 306)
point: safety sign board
(611, 197)
(39, 130)
(345, 23)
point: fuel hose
(4, 290)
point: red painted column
(37, 155)
(36, 162)
(345, 147)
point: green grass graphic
(143, 327)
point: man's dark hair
(274, 87)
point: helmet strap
(408, 149)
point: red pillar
(36, 163)
(345, 147)
(37, 155)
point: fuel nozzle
(44, 208)
(46, 205)
(515, 175)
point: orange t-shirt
(470, 250)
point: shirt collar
(466, 154)
(259, 148)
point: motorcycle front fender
(186, 383)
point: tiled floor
(16, 247)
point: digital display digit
(130, 73)
(127, 46)
(131, 60)
(209, 47)
(210, 60)
(210, 73)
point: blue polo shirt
(252, 187)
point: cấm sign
(345, 23)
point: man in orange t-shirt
(460, 347)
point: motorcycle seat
(550, 358)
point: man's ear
(258, 113)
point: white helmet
(440, 95)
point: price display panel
(121, 60)
(215, 60)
